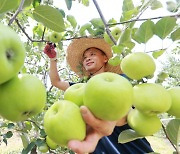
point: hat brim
(76, 50)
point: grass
(160, 145)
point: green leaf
(10, 125)
(97, 22)
(72, 20)
(127, 5)
(172, 6)
(27, 3)
(36, 3)
(5, 141)
(62, 12)
(161, 77)
(176, 35)
(85, 2)
(9, 134)
(145, 32)
(25, 141)
(115, 60)
(29, 148)
(125, 36)
(156, 5)
(68, 4)
(158, 53)
(53, 19)
(173, 131)
(42, 132)
(117, 49)
(164, 26)
(83, 28)
(7, 5)
(129, 14)
(127, 136)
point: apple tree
(40, 21)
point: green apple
(43, 148)
(115, 32)
(22, 97)
(63, 122)
(75, 93)
(12, 53)
(55, 37)
(51, 144)
(151, 98)
(143, 124)
(138, 65)
(175, 96)
(109, 96)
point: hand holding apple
(63, 122)
(96, 129)
(49, 50)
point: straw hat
(75, 54)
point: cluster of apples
(108, 96)
(21, 95)
(149, 99)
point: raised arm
(54, 76)
(49, 50)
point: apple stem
(164, 129)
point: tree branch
(27, 34)
(124, 22)
(104, 21)
(20, 8)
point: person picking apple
(89, 57)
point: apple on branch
(109, 96)
(115, 32)
(51, 144)
(175, 96)
(43, 148)
(22, 97)
(151, 98)
(55, 37)
(138, 65)
(143, 124)
(12, 53)
(75, 93)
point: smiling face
(94, 60)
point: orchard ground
(159, 144)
